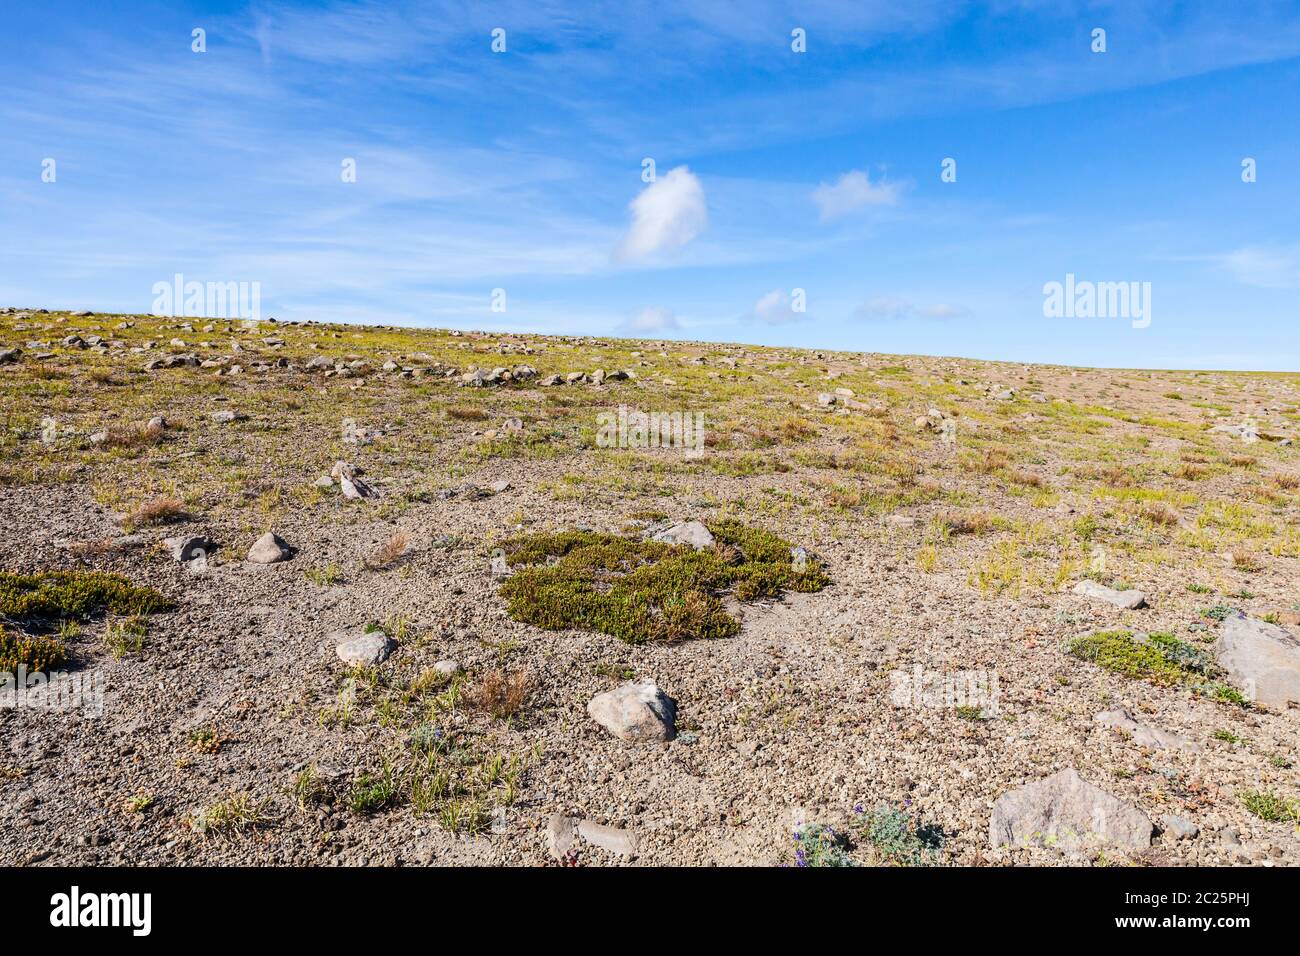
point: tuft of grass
(467, 413)
(374, 792)
(975, 522)
(308, 789)
(234, 815)
(1245, 561)
(125, 637)
(331, 573)
(133, 437)
(1270, 806)
(390, 552)
(155, 512)
(1159, 513)
(500, 693)
(642, 591)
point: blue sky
(776, 171)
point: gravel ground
(789, 722)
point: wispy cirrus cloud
(1264, 266)
(895, 309)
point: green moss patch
(642, 591)
(1162, 659)
(60, 595)
(51, 596)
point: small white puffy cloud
(887, 308)
(852, 191)
(668, 214)
(653, 318)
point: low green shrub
(643, 591)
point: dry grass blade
(500, 693)
(390, 552)
(157, 511)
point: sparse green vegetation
(234, 815)
(1271, 807)
(895, 838)
(125, 636)
(35, 653)
(1163, 660)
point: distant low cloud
(894, 309)
(851, 192)
(652, 319)
(667, 215)
(776, 308)
(1268, 267)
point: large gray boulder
(1066, 812)
(1129, 600)
(638, 711)
(1261, 658)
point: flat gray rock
(1129, 600)
(613, 839)
(561, 835)
(1144, 735)
(1178, 827)
(638, 711)
(1066, 812)
(269, 549)
(359, 647)
(189, 547)
(687, 532)
(1262, 659)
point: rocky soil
(327, 509)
